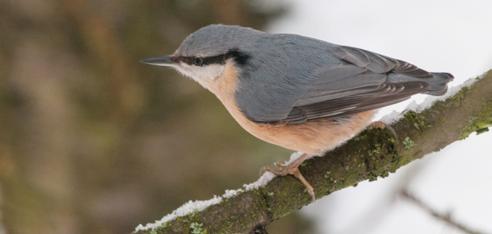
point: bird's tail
(438, 83)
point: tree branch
(373, 153)
(445, 217)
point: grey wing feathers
(383, 81)
(377, 97)
(329, 81)
(364, 59)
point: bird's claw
(280, 169)
(382, 125)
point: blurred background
(91, 141)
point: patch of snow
(232, 193)
(197, 206)
(392, 117)
(292, 158)
(185, 209)
(262, 181)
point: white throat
(204, 75)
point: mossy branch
(372, 154)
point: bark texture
(372, 154)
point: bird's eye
(197, 61)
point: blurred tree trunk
(85, 129)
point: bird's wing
(309, 85)
(364, 82)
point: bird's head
(204, 54)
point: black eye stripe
(198, 61)
(240, 58)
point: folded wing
(359, 81)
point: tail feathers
(438, 83)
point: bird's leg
(292, 168)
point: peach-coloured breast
(312, 137)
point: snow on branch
(372, 154)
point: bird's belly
(312, 137)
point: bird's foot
(280, 169)
(378, 124)
(382, 125)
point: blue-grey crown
(218, 39)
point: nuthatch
(297, 92)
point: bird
(296, 92)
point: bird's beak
(159, 61)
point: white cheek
(210, 71)
(204, 74)
(185, 70)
